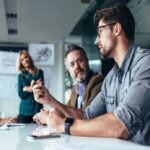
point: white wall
(57, 78)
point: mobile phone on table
(32, 137)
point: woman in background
(28, 72)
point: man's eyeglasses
(98, 29)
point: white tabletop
(15, 138)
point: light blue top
(80, 88)
(126, 92)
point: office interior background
(57, 23)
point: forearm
(66, 110)
(23, 94)
(42, 95)
(104, 126)
(27, 89)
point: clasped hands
(53, 118)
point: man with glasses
(122, 108)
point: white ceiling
(53, 20)
(40, 20)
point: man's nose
(77, 64)
(97, 40)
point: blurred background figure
(28, 72)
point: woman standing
(28, 72)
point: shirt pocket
(110, 103)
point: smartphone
(32, 137)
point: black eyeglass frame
(98, 32)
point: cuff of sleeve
(120, 117)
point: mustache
(79, 70)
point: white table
(15, 139)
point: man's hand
(8, 120)
(41, 117)
(55, 121)
(41, 94)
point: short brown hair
(119, 13)
(74, 47)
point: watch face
(69, 121)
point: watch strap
(68, 123)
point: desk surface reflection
(15, 138)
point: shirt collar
(79, 88)
(127, 60)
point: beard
(81, 76)
(105, 54)
(80, 80)
(106, 51)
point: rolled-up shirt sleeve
(97, 106)
(135, 107)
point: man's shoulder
(141, 56)
(141, 51)
(96, 78)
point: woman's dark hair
(119, 13)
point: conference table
(16, 138)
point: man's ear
(117, 28)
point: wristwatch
(68, 123)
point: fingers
(41, 93)
(44, 111)
(36, 118)
(9, 120)
(41, 117)
(40, 81)
(36, 84)
(38, 91)
(55, 121)
(32, 83)
(14, 120)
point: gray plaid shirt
(126, 92)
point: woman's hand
(27, 89)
